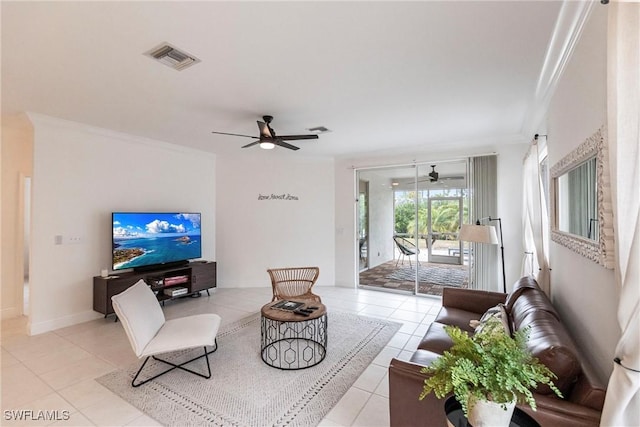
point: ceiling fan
(433, 175)
(268, 138)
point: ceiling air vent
(172, 57)
(319, 129)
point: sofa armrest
(405, 385)
(471, 300)
(558, 412)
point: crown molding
(572, 18)
(41, 120)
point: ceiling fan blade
(297, 137)
(235, 134)
(251, 144)
(265, 132)
(281, 143)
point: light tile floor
(55, 371)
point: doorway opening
(412, 222)
(25, 202)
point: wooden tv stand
(196, 276)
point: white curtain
(622, 403)
(535, 220)
(484, 203)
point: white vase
(485, 413)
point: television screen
(142, 239)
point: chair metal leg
(174, 366)
(401, 257)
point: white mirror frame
(598, 251)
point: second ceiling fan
(268, 138)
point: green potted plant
(487, 366)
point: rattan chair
(294, 283)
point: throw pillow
(499, 312)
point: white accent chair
(150, 333)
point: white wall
(254, 235)
(80, 175)
(380, 248)
(584, 293)
(509, 202)
(510, 209)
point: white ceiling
(380, 75)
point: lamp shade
(478, 234)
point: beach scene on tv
(142, 239)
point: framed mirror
(581, 211)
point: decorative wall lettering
(282, 196)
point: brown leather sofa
(549, 341)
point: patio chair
(150, 334)
(363, 248)
(406, 247)
(294, 283)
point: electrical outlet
(57, 239)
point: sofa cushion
(522, 285)
(530, 302)
(424, 357)
(552, 345)
(457, 317)
(436, 339)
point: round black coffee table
(291, 341)
(456, 417)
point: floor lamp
(478, 233)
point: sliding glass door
(408, 223)
(363, 225)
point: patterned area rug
(433, 275)
(244, 391)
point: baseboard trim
(350, 285)
(61, 322)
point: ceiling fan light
(267, 145)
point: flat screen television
(146, 240)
